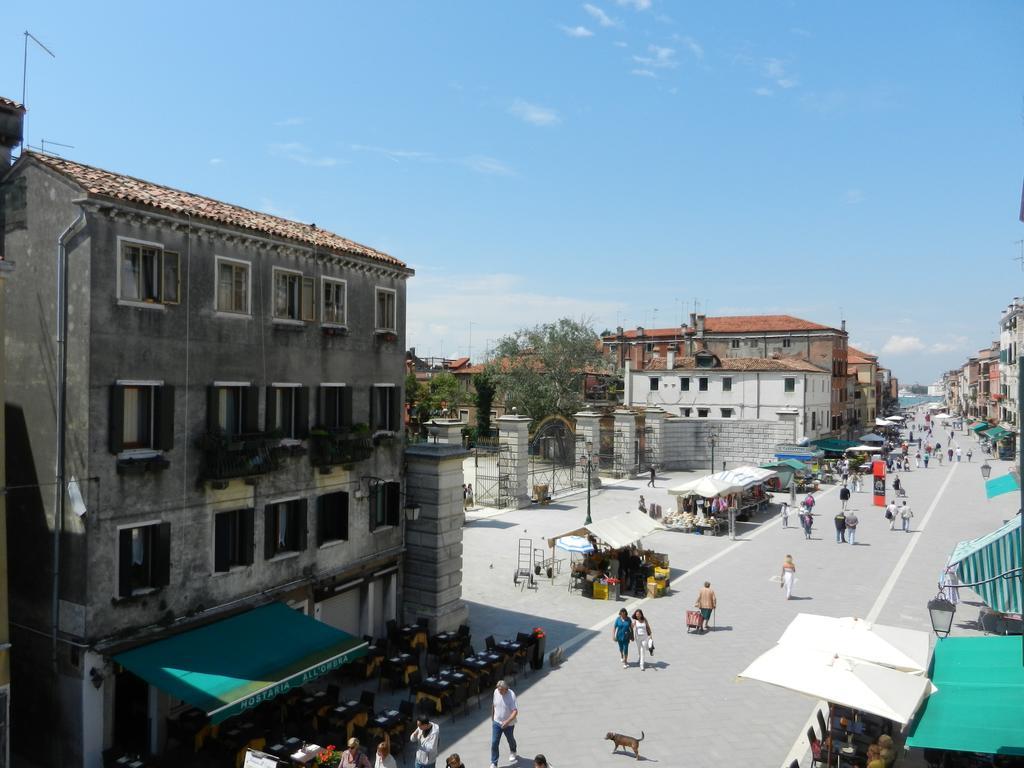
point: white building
(743, 388)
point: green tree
(485, 389)
(444, 392)
(541, 370)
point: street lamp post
(711, 441)
(589, 447)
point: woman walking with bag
(644, 636)
(622, 633)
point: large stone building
(863, 369)
(739, 388)
(233, 422)
(780, 337)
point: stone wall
(684, 442)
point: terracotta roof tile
(760, 323)
(114, 186)
(650, 333)
(5, 102)
(740, 364)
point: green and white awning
(987, 557)
(235, 664)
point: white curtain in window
(132, 425)
(282, 525)
(138, 546)
(130, 274)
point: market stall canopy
(871, 437)
(234, 664)
(905, 650)
(574, 544)
(833, 445)
(798, 452)
(986, 558)
(980, 698)
(864, 449)
(895, 417)
(623, 530)
(996, 433)
(883, 423)
(792, 464)
(746, 476)
(942, 416)
(997, 486)
(861, 685)
(708, 487)
(981, 426)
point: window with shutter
(332, 518)
(233, 540)
(144, 559)
(285, 527)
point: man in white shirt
(425, 736)
(504, 711)
(892, 513)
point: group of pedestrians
(626, 630)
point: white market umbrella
(864, 449)
(883, 423)
(942, 416)
(856, 684)
(575, 544)
(905, 650)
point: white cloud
(763, 91)
(534, 114)
(694, 47)
(600, 16)
(902, 345)
(291, 121)
(577, 31)
(775, 69)
(487, 165)
(303, 155)
(952, 344)
(216, 161)
(660, 58)
(638, 5)
(642, 73)
(496, 303)
(854, 196)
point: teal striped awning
(981, 426)
(997, 486)
(996, 433)
(989, 556)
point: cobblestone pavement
(689, 703)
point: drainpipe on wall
(60, 459)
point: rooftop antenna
(470, 352)
(1020, 258)
(44, 142)
(24, 72)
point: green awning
(980, 698)
(996, 433)
(986, 558)
(997, 486)
(981, 426)
(235, 664)
(833, 445)
(794, 464)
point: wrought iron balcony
(227, 457)
(330, 448)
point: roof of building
(5, 102)
(730, 324)
(115, 186)
(740, 364)
(854, 355)
(760, 323)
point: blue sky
(615, 160)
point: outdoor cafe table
(413, 636)
(508, 647)
(306, 755)
(310, 706)
(371, 662)
(404, 663)
(436, 690)
(348, 715)
(284, 748)
(481, 664)
(384, 722)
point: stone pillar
(514, 467)
(588, 430)
(655, 418)
(433, 541)
(625, 444)
(445, 431)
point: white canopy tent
(884, 423)
(942, 416)
(861, 685)
(724, 483)
(905, 650)
(623, 530)
(864, 449)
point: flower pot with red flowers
(539, 644)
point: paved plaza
(689, 704)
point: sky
(623, 162)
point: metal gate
(553, 458)
(495, 475)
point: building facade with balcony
(233, 422)
(863, 369)
(1011, 346)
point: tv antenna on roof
(1020, 258)
(44, 142)
(24, 71)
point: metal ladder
(523, 577)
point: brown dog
(626, 742)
